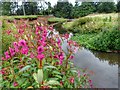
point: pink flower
(20, 31)
(31, 55)
(3, 58)
(72, 80)
(16, 47)
(43, 38)
(37, 31)
(12, 51)
(24, 51)
(22, 43)
(15, 84)
(40, 56)
(59, 41)
(2, 71)
(40, 49)
(71, 57)
(7, 56)
(8, 32)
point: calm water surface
(104, 66)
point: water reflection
(104, 66)
(112, 58)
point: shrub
(107, 40)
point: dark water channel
(103, 65)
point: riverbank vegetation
(97, 32)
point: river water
(103, 65)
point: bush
(106, 40)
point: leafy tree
(86, 8)
(63, 9)
(118, 6)
(106, 7)
(7, 8)
(31, 8)
(49, 9)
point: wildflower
(71, 57)
(37, 31)
(22, 43)
(40, 49)
(72, 80)
(59, 41)
(16, 47)
(12, 51)
(8, 32)
(3, 58)
(31, 55)
(7, 56)
(20, 31)
(15, 84)
(24, 51)
(2, 71)
(40, 56)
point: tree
(6, 8)
(63, 9)
(118, 6)
(49, 9)
(106, 7)
(30, 8)
(84, 9)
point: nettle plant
(36, 60)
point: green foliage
(118, 6)
(82, 10)
(6, 8)
(31, 8)
(105, 41)
(55, 20)
(90, 24)
(106, 7)
(63, 9)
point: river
(103, 65)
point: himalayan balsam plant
(36, 60)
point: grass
(55, 20)
(19, 17)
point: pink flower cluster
(42, 33)
(21, 47)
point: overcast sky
(53, 2)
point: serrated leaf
(25, 68)
(40, 75)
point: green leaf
(53, 82)
(49, 67)
(25, 68)
(56, 72)
(40, 75)
(35, 77)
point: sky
(53, 2)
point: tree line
(61, 9)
